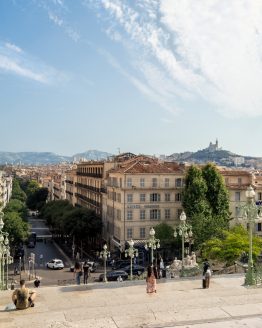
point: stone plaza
(183, 303)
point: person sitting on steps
(23, 297)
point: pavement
(177, 303)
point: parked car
(136, 269)
(55, 264)
(120, 264)
(114, 275)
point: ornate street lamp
(104, 254)
(184, 230)
(5, 257)
(250, 213)
(131, 252)
(152, 243)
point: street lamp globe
(183, 216)
(105, 247)
(152, 232)
(131, 243)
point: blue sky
(145, 76)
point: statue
(193, 259)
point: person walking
(206, 274)
(151, 279)
(86, 270)
(77, 272)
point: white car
(55, 264)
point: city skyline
(153, 77)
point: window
(155, 214)
(178, 197)
(142, 214)
(154, 182)
(179, 182)
(167, 213)
(259, 227)
(179, 211)
(166, 182)
(167, 197)
(154, 197)
(119, 198)
(129, 182)
(259, 196)
(118, 214)
(130, 198)
(142, 232)
(142, 182)
(237, 211)
(129, 233)
(129, 215)
(237, 196)
(239, 181)
(142, 197)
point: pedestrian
(86, 270)
(206, 274)
(151, 279)
(78, 272)
(37, 282)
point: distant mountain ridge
(48, 157)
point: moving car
(55, 264)
(114, 275)
(136, 269)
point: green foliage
(231, 245)
(164, 232)
(37, 199)
(18, 229)
(206, 202)
(31, 187)
(17, 192)
(16, 205)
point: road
(48, 250)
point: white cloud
(54, 18)
(13, 47)
(14, 60)
(205, 50)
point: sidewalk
(126, 305)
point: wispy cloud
(208, 51)
(14, 60)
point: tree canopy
(206, 202)
(231, 245)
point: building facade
(5, 188)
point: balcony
(90, 188)
(93, 175)
(88, 200)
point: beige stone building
(70, 186)
(141, 192)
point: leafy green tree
(18, 229)
(17, 192)
(231, 245)
(217, 196)
(16, 205)
(196, 205)
(31, 187)
(37, 199)
(164, 232)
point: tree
(16, 205)
(31, 187)
(231, 245)
(37, 199)
(165, 233)
(196, 205)
(17, 192)
(217, 196)
(18, 229)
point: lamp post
(131, 252)
(5, 257)
(184, 230)
(105, 254)
(152, 243)
(251, 213)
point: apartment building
(70, 185)
(141, 192)
(5, 188)
(59, 186)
